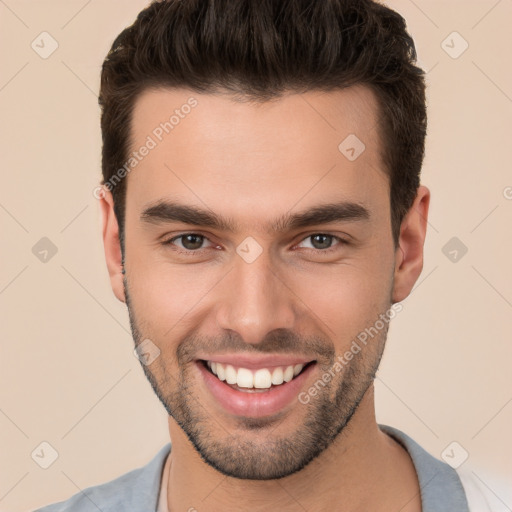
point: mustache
(280, 341)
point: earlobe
(409, 253)
(112, 244)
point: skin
(253, 163)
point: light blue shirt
(138, 490)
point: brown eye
(188, 241)
(192, 241)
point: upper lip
(255, 362)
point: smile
(255, 388)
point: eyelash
(341, 242)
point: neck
(363, 469)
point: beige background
(68, 373)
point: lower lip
(254, 404)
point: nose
(255, 300)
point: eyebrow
(164, 212)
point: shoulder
(136, 490)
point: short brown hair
(259, 49)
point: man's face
(256, 293)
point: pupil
(325, 237)
(192, 245)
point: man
(262, 220)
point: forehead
(247, 157)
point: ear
(409, 253)
(111, 243)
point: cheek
(345, 299)
(167, 298)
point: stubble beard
(236, 453)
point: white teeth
(277, 376)
(230, 374)
(288, 374)
(260, 379)
(244, 378)
(297, 369)
(221, 373)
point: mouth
(255, 389)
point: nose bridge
(255, 300)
